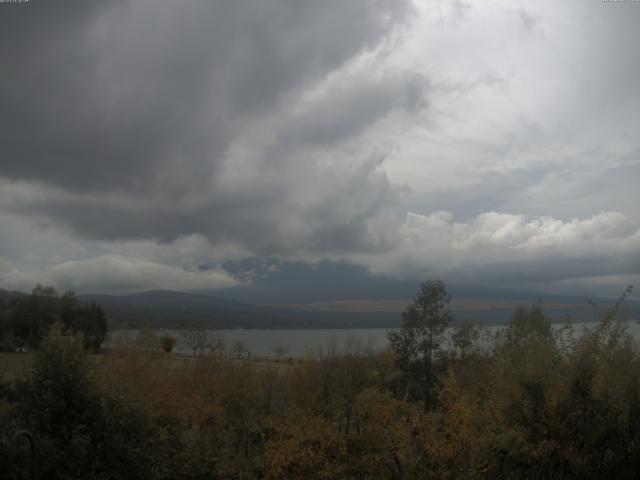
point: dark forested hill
(173, 309)
(9, 294)
(170, 309)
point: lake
(298, 343)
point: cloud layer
(146, 142)
(173, 119)
(509, 248)
(117, 274)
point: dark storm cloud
(472, 141)
(126, 111)
(270, 218)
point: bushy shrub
(167, 343)
(83, 432)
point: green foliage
(147, 340)
(25, 321)
(463, 338)
(167, 343)
(528, 323)
(83, 432)
(419, 341)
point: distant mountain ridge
(171, 309)
(277, 283)
(9, 294)
(169, 299)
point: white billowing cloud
(524, 235)
(501, 247)
(34, 251)
(600, 253)
(117, 274)
(190, 252)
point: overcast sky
(145, 143)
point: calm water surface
(298, 343)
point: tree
(217, 346)
(147, 339)
(463, 338)
(527, 323)
(418, 342)
(92, 322)
(167, 343)
(304, 446)
(239, 348)
(197, 339)
(31, 317)
(279, 350)
(83, 431)
(5, 331)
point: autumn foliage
(534, 402)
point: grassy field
(13, 366)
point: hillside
(174, 309)
(170, 309)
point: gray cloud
(116, 274)
(182, 134)
(119, 96)
(511, 249)
(120, 115)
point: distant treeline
(533, 403)
(26, 319)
